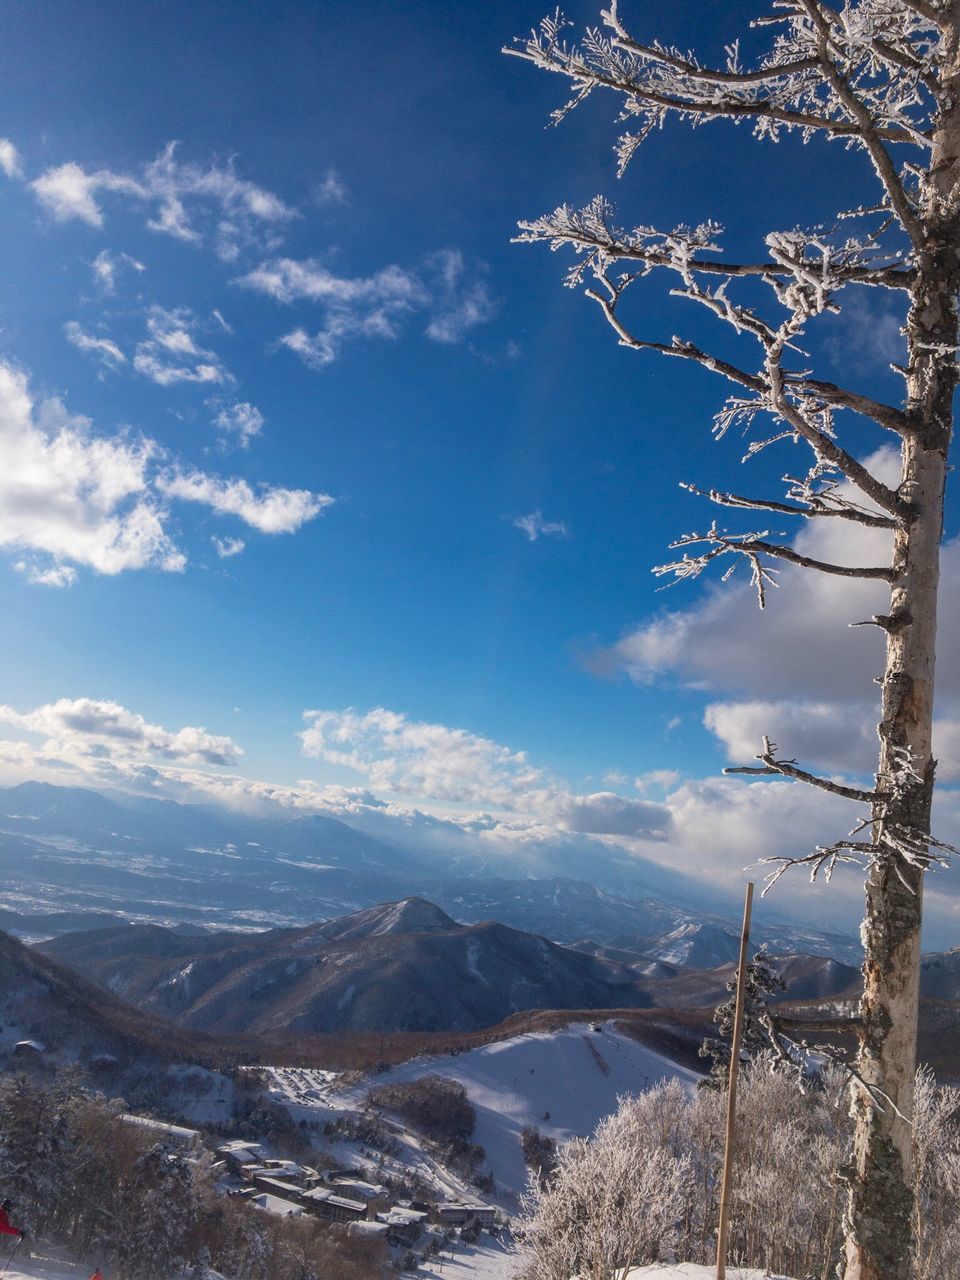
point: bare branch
(873, 136)
(730, 109)
(814, 507)
(828, 449)
(884, 414)
(898, 274)
(789, 769)
(750, 544)
(685, 350)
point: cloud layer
(96, 733)
(183, 200)
(70, 497)
(453, 298)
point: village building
(242, 1155)
(29, 1049)
(357, 1189)
(369, 1230)
(277, 1186)
(403, 1225)
(462, 1215)
(175, 1133)
(276, 1205)
(324, 1204)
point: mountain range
(400, 966)
(75, 858)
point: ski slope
(562, 1082)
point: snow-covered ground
(563, 1082)
(46, 1263)
(486, 1260)
(694, 1271)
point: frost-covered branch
(753, 547)
(815, 505)
(789, 769)
(829, 54)
(893, 842)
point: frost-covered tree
(761, 981)
(646, 1185)
(881, 78)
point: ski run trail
(563, 1082)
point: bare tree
(882, 78)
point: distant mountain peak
(407, 915)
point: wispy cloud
(106, 266)
(269, 509)
(82, 728)
(460, 300)
(534, 526)
(227, 547)
(332, 190)
(170, 355)
(239, 421)
(68, 192)
(104, 349)
(453, 298)
(434, 762)
(184, 200)
(10, 159)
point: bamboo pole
(723, 1230)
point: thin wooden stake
(723, 1230)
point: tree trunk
(879, 1221)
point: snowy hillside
(48, 1263)
(562, 1082)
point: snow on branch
(752, 547)
(864, 74)
(894, 844)
(809, 503)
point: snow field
(563, 1082)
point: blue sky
(304, 329)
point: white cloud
(239, 420)
(459, 302)
(798, 671)
(415, 758)
(227, 547)
(176, 196)
(332, 190)
(10, 159)
(61, 575)
(662, 779)
(801, 641)
(70, 497)
(68, 192)
(534, 526)
(271, 509)
(608, 814)
(91, 728)
(170, 355)
(497, 808)
(838, 736)
(435, 763)
(374, 306)
(106, 266)
(105, 350)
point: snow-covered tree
(646, 1185)
(881, 78)
(761, 981)
(614, 1200)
